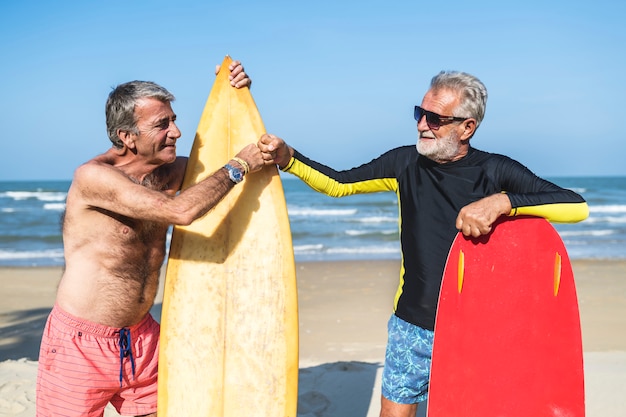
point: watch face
(235, 175)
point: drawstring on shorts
(126, 349)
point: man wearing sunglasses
(443, 187)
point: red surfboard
(507, 333)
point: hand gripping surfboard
(229, 327)
(507, 333)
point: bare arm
(102, 186)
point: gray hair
(120, 106)
(473, 93)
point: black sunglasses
(434, 120)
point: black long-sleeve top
(430, 196)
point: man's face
(156, 141)
(445, 143)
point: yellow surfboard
(229, 326)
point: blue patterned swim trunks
(407, 362)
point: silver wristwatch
(235, 174)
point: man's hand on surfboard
(476, 218)
(274, 150)
(238, 77)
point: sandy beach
(343, 310)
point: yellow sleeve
(556, 213)
(333, 188)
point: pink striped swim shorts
(83, 366)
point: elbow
(571, 213)
(185, 218)
(184, 221)
(582, 211)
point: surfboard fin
(461, 271)
(557, 273)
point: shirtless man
(100, 343)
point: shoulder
(101, 174)
(94, 170)
(503, 169)
(404, 153)
(494, 160)
(404, 150)
(103, 164)
(395, 161)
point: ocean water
(323, 228)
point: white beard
(440, 150)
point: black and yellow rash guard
(430, 196)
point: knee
(389, 408)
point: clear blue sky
(337, 79)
